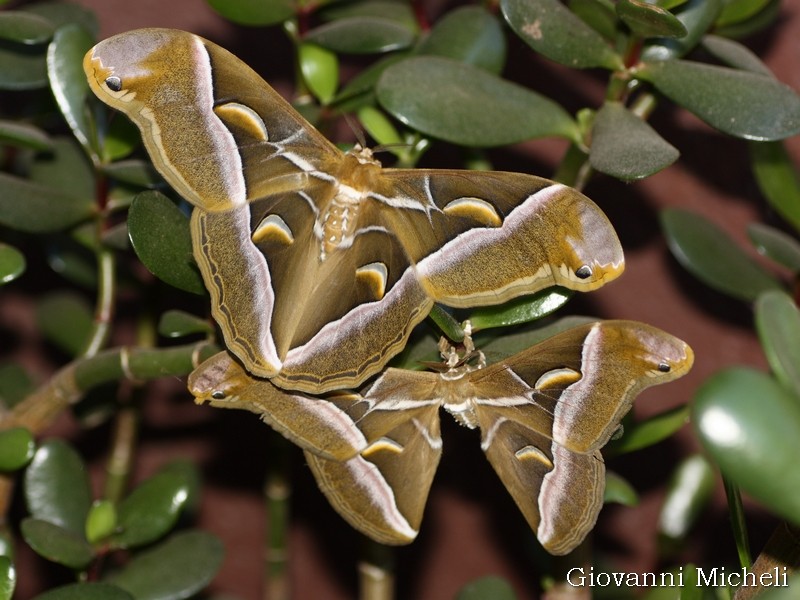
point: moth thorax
(459, 401)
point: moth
(543, 415)
(320, 262)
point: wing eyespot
(583, 272)
(218, 395)
(114, 83)
(664, 367)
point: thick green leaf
(151, 510)
(358, 91)
(648, 20)
(254, 12)
(121, 138)
(362, 35)
(713, 257)
(24, 28)
(740, 103)
(380, 127)
(470, 34)
(15, 384)
(553, 30)
(626, 147)
(36, 208)
(688, 493)
(499, 344)
(86, 591)
(320, 69)
(68, 81)
(16, 448)
(160, 235)
(736, 11)
(764, 18)
(734, 54)
(777, 178)
(400, 12)
(56, 543)
(24, 135)
(750, 425)
(65, 169)
(619, 491)
(101, 521)
(136, 172)
(176, 323)
(778, 326)
(487, 588)
(22, 67)
(600, 15)
(520, 310)
(57, 486)
(66, 319)
(73, 261)
(60, 13)
(638, 435)
(468, 105)
(8, 578)
(190, 473)
(777, 245)
(12, 263)
(175, 569)
(697, 16)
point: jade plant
(82, 209)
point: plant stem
(738, 523)
(277, 491)
(375, 571)
(574, 170)
(104, 308)
(562, 589)
(123, 452)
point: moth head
(217, 381)
(123, 65)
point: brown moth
(319, 262)
(543, 414)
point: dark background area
(471, 528)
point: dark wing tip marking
(584, 272)
(218, 395)
(664, 367)
(114, 83)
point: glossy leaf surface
(57, 486)
(777, 177)
(468, 34)
(739, 103)
(159, 232)
(713, 257)
(626, 147)
(177, 568)
(254, 12)
(619, 491)
(24, 28)
(650, 431)
(22, 67)
(778, 326)
(361, 35)
(151, 510)
(67, 81)
(775, 244)
(553, 30)
(101, 521)
(320, 69)
(16, 448)
(59, 14)
(689, 491)
(66, 319)
(86, 591)
(8, 578)
(649, 20)
(12, 263)
(490, 110)
(697, 17)
(521, 310)
(749, 424)
(734, 54)
(177, 323)
(57, 544)
(24, 135)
